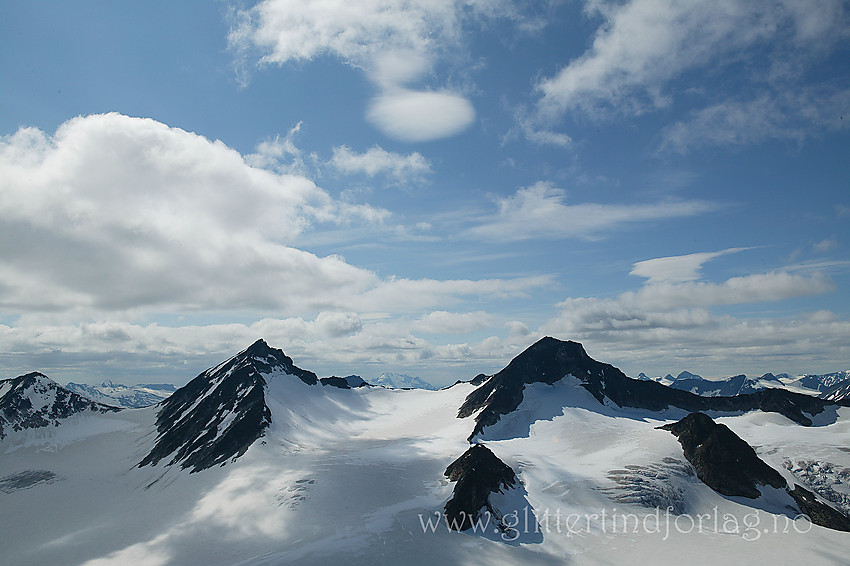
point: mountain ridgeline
(549, 360)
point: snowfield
(355, 476)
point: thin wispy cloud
(376, 160)
(542, 211)
(639, 57)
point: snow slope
(129, 396)
(401, 381)
(355, 476)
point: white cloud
(669, 320)
(676, 268)
(117, 214)
(396, 42)
(826, 245)
(376, 160)
(793, 115)
(548, 137)
(417, 116)
(644, 46)
(541, 211)
(281, 154)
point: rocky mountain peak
(33, 400)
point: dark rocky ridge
(729, 387)
(478, 473)
(16, 404)
(549, 360)
(728, 465)
(188, 422)
(820, 513)
(722, 460)
(838, 392)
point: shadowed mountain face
(838, 392)
(550, 360)
(220, 413)
(478, 473)
(722, 460)
(736, 385)
(35, 401)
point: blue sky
(423, 187)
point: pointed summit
(546, 361)
(220, 413)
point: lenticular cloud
(415, 116)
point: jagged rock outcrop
(478, 473)
(348, 382)
(820, 513)
(728, 465)
(722, 459)
(34, 400)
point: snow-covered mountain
(557, 458)
(821, 383)
(401, 381)
(736, 385)
(837, 392)
(34, 401)
(810, 384)
(130, 396)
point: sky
(423, 186)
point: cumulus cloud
(541, 211)
(376, 160)
(114, 213)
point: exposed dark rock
(335, 381)
(52, 403)
(722, 460)
(230, 395)
(478, 473)
(820, 513)
(547, 361)
(838, 392)
(26, 479)
(550, 360)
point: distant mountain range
(401, 381)
(810, 384)
(129, 396)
